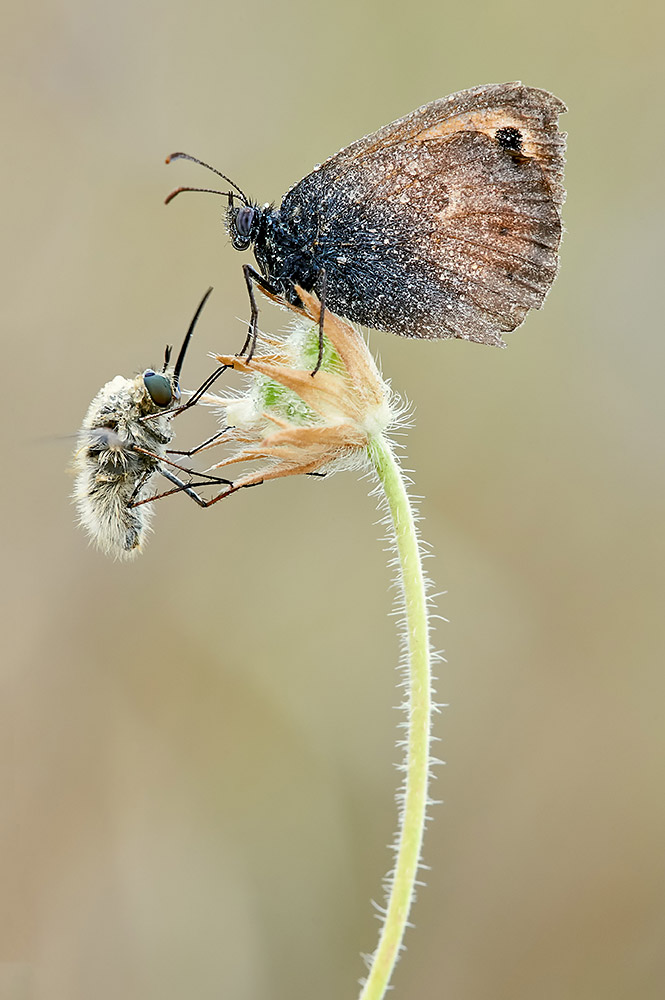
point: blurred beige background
(196, 749)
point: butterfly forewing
(445, 222)
(482, 109)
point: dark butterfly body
(445, 223)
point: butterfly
(444, 223)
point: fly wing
(457, 204)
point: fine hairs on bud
(121, 445)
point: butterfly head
(242, 223)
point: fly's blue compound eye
(159, 388)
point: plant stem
(419, 706)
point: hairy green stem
(419, 706)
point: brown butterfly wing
(480, 109)
(469, 189)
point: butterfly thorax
(287, 250)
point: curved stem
(419, 706)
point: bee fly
(123, 443)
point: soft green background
(196, 750)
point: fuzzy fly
(122, 443)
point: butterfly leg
(321, 291)
(251, 275)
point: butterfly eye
(243, 223)
(244, 220)
(159, 388)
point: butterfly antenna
(225, 194)
(188, 337)
(167, 357)
(202, 163)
